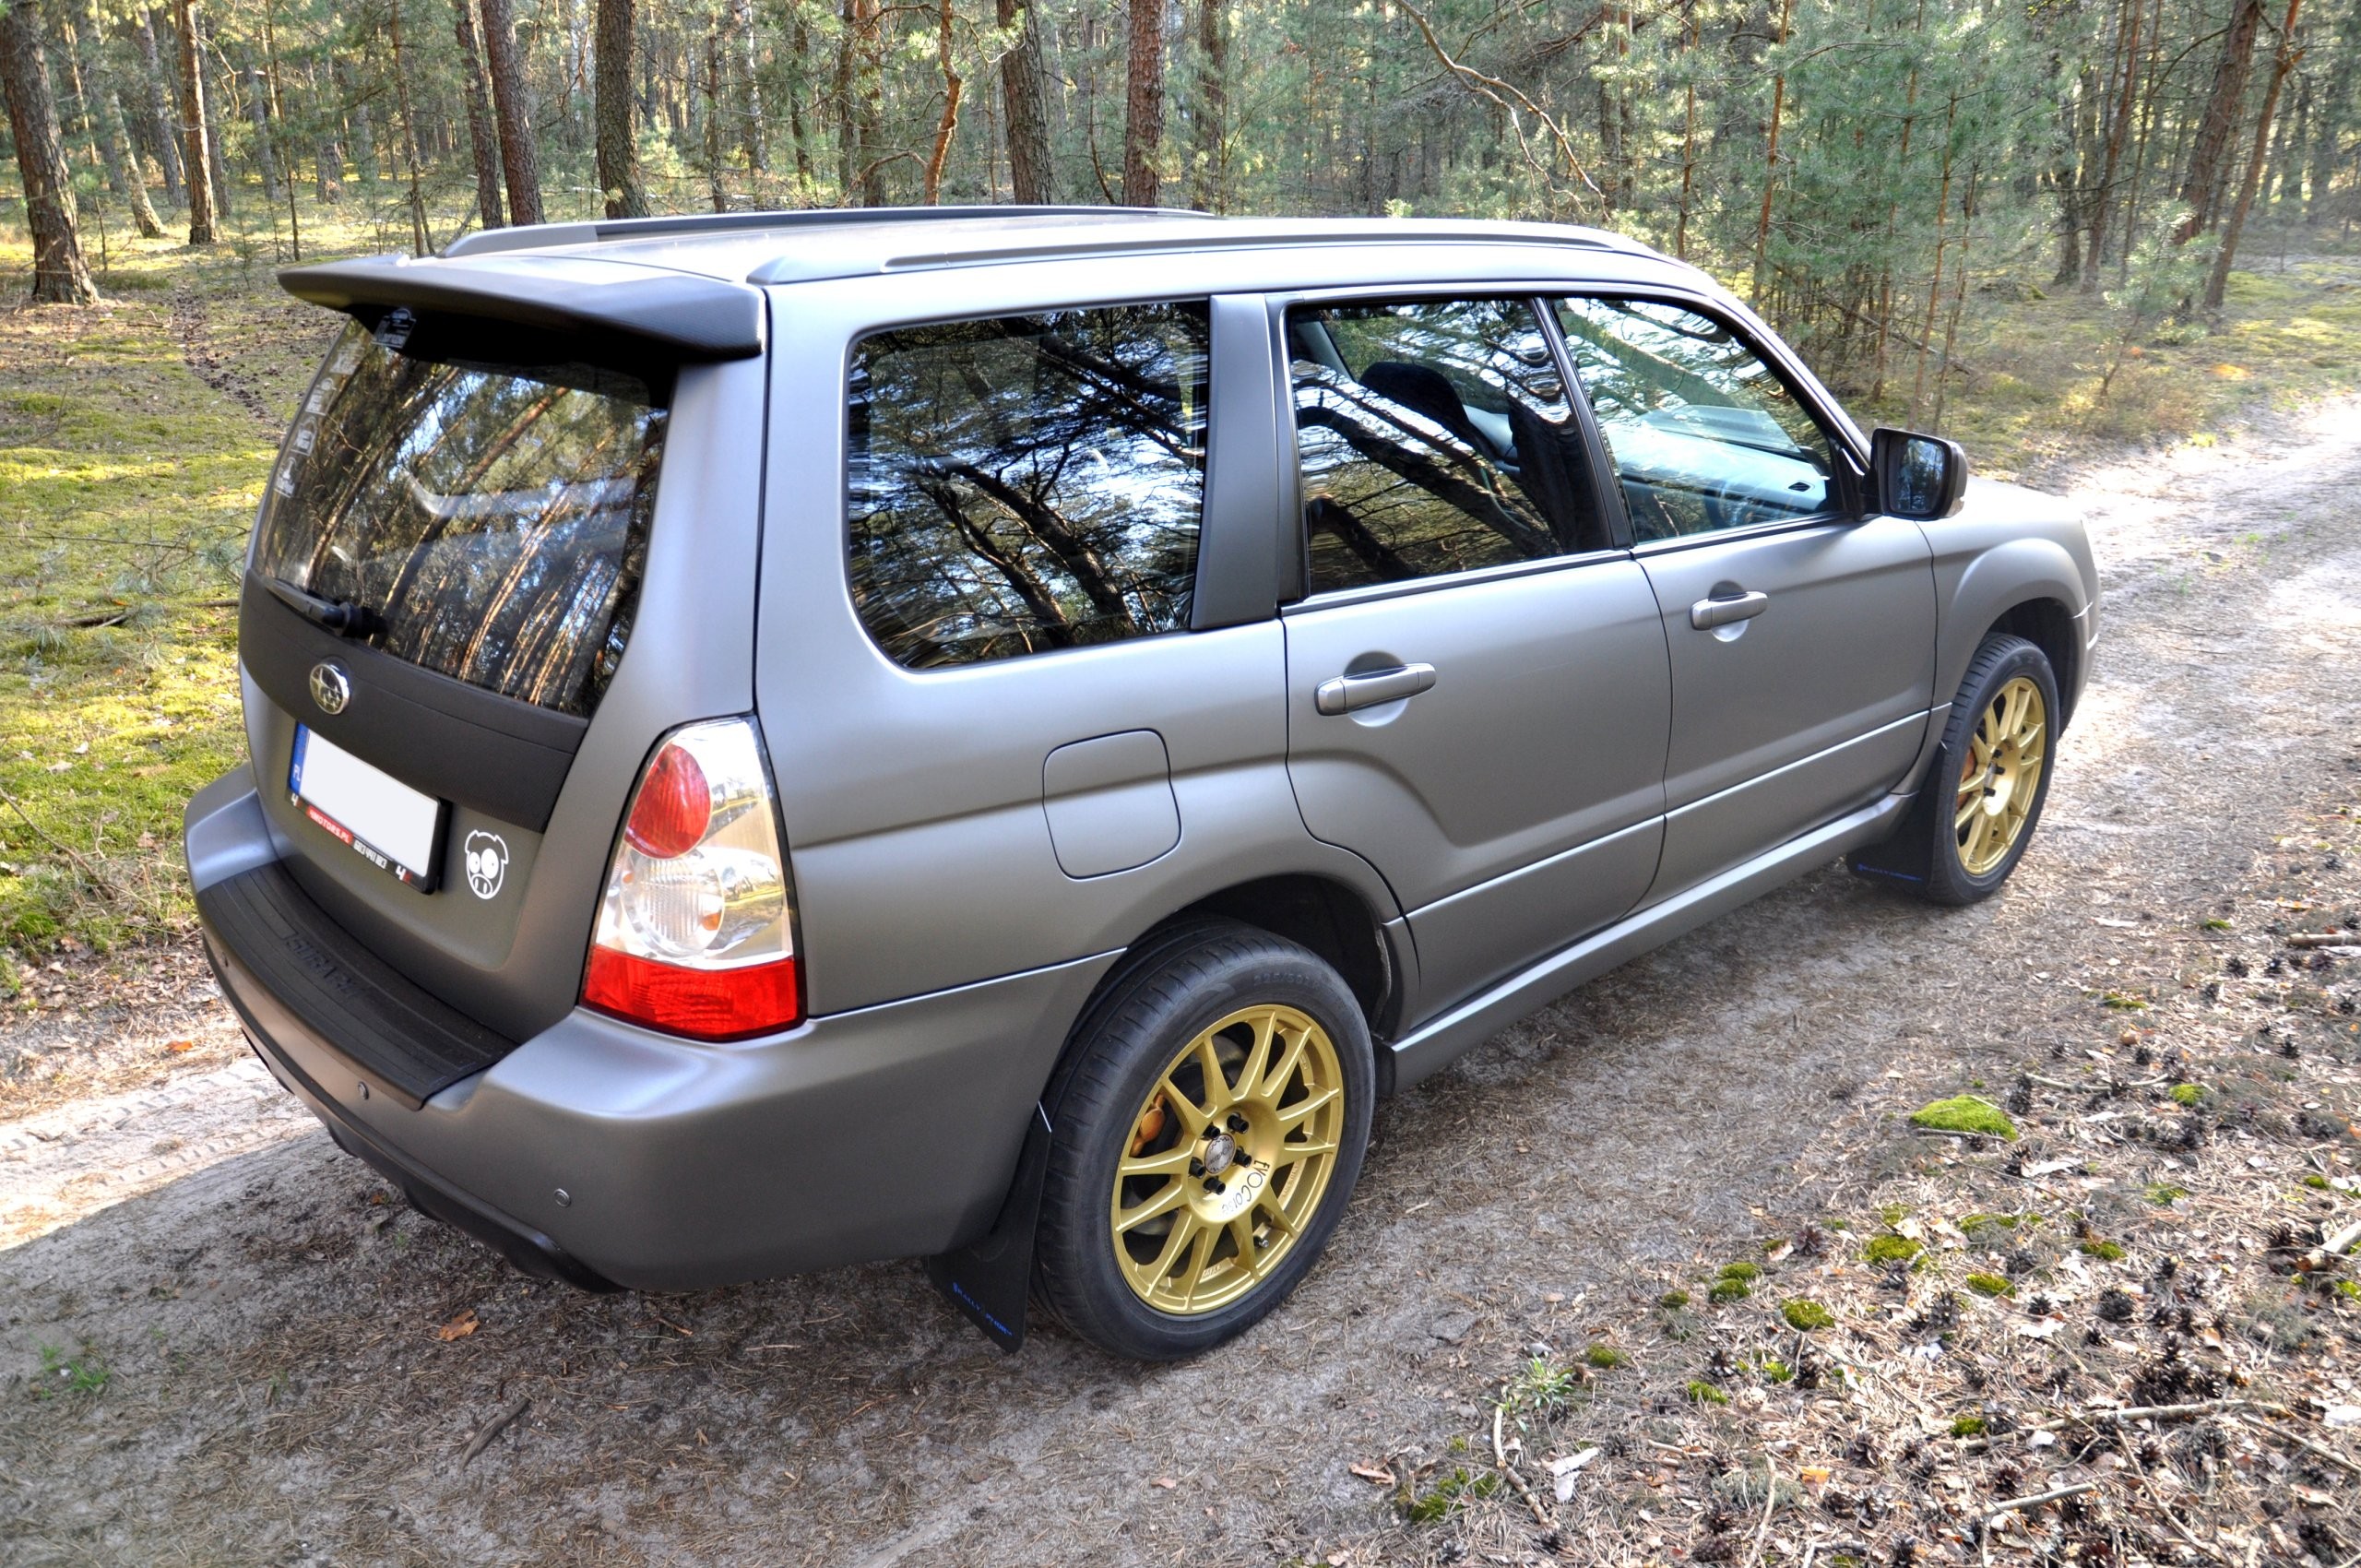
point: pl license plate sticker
(383, 820)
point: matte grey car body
(1588, 771)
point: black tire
(1175, 988)
(1949, 880)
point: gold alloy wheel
(1227, 1159)
(2002, 776)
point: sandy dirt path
(276, 1390)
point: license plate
(391, 825)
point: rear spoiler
(671, 315)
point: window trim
(853, 347)
(1296, 593)
(1848, 480)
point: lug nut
(1212, 1183)
(1196, 1168)
(1237, 1121)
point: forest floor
(225, 1342)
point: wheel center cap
(1221, 1150)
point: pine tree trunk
(1030, 176)
(483, 140)
(610, 112)
(194, 154)
(2283, 60)
(746, 58)
(258, 110)
(215, 163)
(2208, 156)
(2119, 132)
(868, 102)
(124, 173)
(1142, 102)
(947, 125)
(2335, 96)
(848, 127)
(518, 157)
(1207, 192)
(59, 276)
(714, 189)
(158, 99)
(1771, 156)
(420, 242)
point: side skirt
(1436, 1043)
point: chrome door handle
(1708, 614)
(1343, 694)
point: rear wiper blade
(342, 616)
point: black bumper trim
(532, 1251)
(404, 1038)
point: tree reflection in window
(1434, 437)
(1703, 435)
(496, 520)
(1027, 482)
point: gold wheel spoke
(1184, 1226)
(1270, 1210)
(1202, 1246)
(1195, 1119)
(1275, 1084)
(1241, 1235)
(1290, 1153)
(1293, 1116)
(1171, 1162)
(1258, 1057)
(1967, 812)
(1218, 1091)
(1173, 1196)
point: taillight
(696, 930)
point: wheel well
(2049, 627)
(1327, 917)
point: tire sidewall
(1998, 661)
(1130, 1045)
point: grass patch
(1699, 1392)
(62, 1374)
(1436, 1503)
(2162, 1193)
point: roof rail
(806, 270)
(533, 236)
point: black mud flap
(991, 1280)
(1907, 854)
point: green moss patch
(1968, 1426)
(1966, 1113)
(1991, 1285)
(2105, 1252)
(1699, 1392)
(1606, 1356)
(1891, 1248)
(2190, 1094)
(1805, 1316)
(1745, 1271)
(1673, 1301)
(1725, 1291)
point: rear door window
(1027, 482)
(491, 520)
(1435, 437)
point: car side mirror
(1919, 476)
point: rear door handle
(1708, 614)
(1343, 694)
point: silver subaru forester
(995, 735)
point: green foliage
(2317, 1181)
(1775, 1370)
(1606, 1356)
(1805, 1316)
(1991, 1285)
(1968, 1426)
(1542, 1385)
(1725, 1291)
(2105, 1252)
(60, 1374)
(1454, 1489)
(1747, 1272)
(1673, 1301)
(2164, 1194)
(1699, 1392)
(2190, 1094)
(1964, 1113)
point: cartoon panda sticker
(487, 864)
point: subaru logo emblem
(331, 687)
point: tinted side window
(1027, 482)
(1703, 435)
(1435, 437)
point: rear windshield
(492, 519)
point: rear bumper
(609, 1155)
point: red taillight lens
(674, 806)
(701, 1003)
(697, 931)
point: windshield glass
(492, 521)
